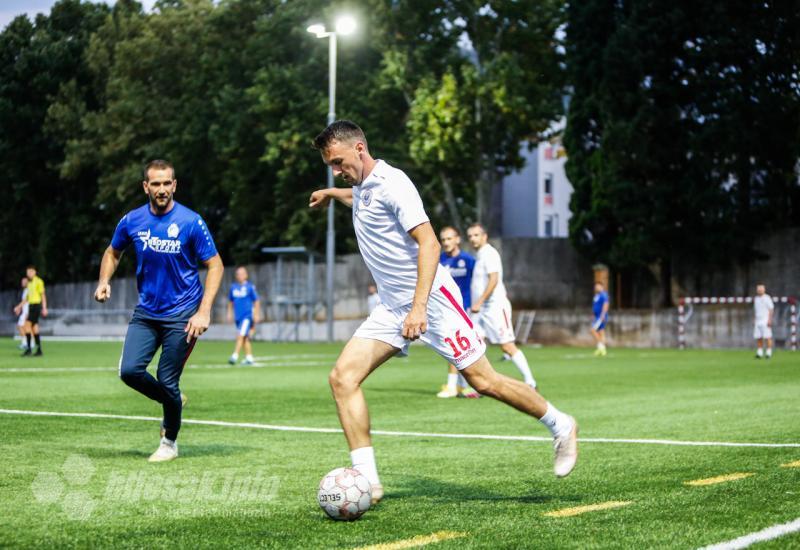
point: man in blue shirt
(174, 310)
(460, 265)
(600, 310)
(245, 309)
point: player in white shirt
(419, 300)
(21, 309)
(762, 330)
(489, 300)
(372, 298)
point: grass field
(84, 481)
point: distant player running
(490, 302)
(600, 310)
(419, 300)
(460, 265)
(36, 300)
(245, 309)
(21, 309)
(763, 308)
(174, 310)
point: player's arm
(416, 321)
(199, 322)
(321, 197)
(770, 312)
(257, 311)
(604, 314)
(229, 313)
(490, 286)
(44, 303)
(108, 265)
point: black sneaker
(38, 352)
(27, 352)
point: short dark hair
(451, 228)
(340, 130)
(478, 224)
(158, 164)
(31, 266)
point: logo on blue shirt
(165, 246)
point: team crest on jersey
(173, 230)
(164, 246)
(461, 263)
(366, 197)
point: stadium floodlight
(318, 30)
(344, 25)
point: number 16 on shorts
(463, 348)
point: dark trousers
(145, 335)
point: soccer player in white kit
(419, 300)
(762, 330)
(490, 302)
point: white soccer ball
(344, 494)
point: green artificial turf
(80, 482)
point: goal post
(686, 303)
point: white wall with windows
(536, 198)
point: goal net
(724, 321)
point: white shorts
(762, 331)
(495, 322)
(451, 333)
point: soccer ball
(344, 494)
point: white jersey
(487, 260)
(386, 205)
(762, 306)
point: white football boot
(566, 451)
(168, 450)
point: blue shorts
(599, 324)
(243, 326)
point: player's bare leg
(759, 348)
(520, 361)
(769, 348)
(482, 376)
(248, 350)
(600, 339)
(358, 359)
(235, 355)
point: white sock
(249, 357)
(556, 421)
(601, 345)
(234, 356)
(364, 461)
(769, 352)
(522, 364)
(760, 352)
(451, 381)
(165, 441)
(462, 382)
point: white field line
(759, 536)
(275, 427)
(256, 365)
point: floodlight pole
(330, 244)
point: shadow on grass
(439, 490)
(186, 451)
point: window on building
(548, 188)
(548, 226)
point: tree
(662, 131)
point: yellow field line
(718, 479)
(415, 542)
(577, 510)
(795, 464)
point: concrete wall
(542, 274)
(708, 327)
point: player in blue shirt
(600, 310)
(245, 309)
(460, 265)
(170, 240)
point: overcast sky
(9, 9)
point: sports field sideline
(680, 449)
